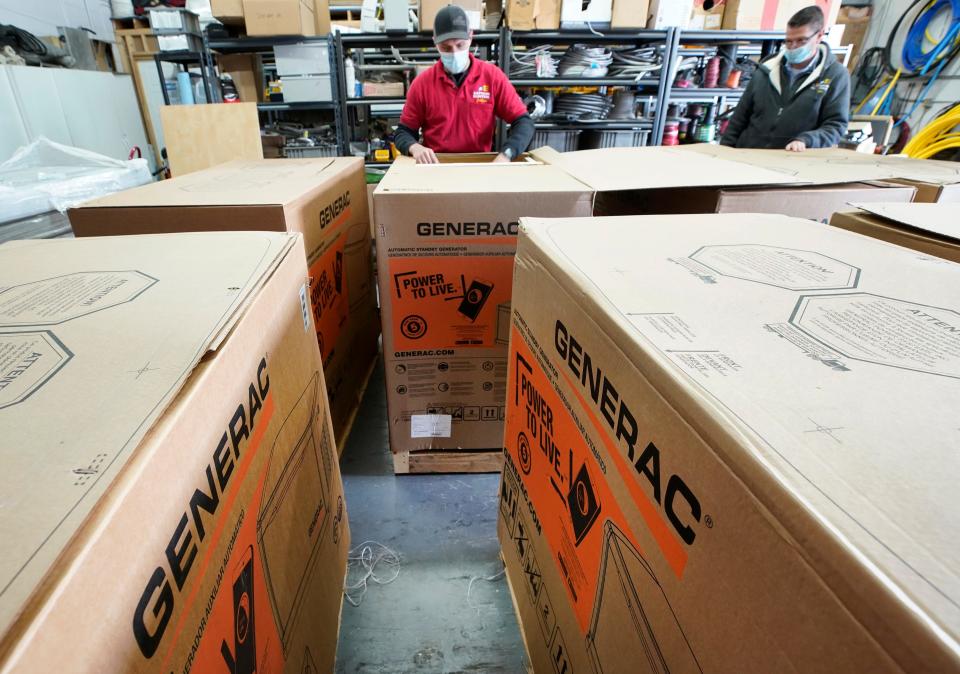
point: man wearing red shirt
(457, 101)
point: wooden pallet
(516, 612)
(480, 461)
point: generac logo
(467, 228)
(163, 589)
(333, 210)
(674, 498)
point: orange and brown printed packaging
(731, 446)
(323, 199)
(446, 236)
(172, 499)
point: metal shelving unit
(654, 85)
(185, 59)
(498, 46)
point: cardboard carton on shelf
(933, 229)
(629, 14)
(280, 17)
(429, 9)
(446, 236)
(532, 14)
(323, 199)
(166, 435)
(707, 15)
(705, 451)
(773, 14)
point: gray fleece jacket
(772, 112)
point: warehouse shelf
(583, 82)
(700, 93)
(261, 44)
(280, 106)
(376, 100)
(610, 36)
(603, 125)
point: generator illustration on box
(631, 614)
(295, 512)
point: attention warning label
(449, 302)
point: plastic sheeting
(46, 176)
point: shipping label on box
(679, 436)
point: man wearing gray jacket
(800, 98)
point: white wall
(41, 17)
(947, 88)
(92, 110)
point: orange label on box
(449, 302)
(328, 295)
(575, 505)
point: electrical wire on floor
(500, 575)
(368, 556)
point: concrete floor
(444, 528)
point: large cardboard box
(172, 500)
(533, 14)
(707, 15)
(429, 9)
(772, 14)
(323, 199)
(669, 13)
(200, 136)
(933, 229)
(446, 236)
(933, 192)
(280, 17)
(629, 14)
(731, 446)
(714, 178)
(228, 11)
(814, 202)
(246, 73)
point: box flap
(97, 337)
(636, 168)
(465, 178)
(833, 165)
(264, 182)
(822, 367)
(942, 219)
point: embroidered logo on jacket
(482, 94)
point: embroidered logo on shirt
(823, 86)
(482, 94)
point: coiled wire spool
(636, 62)
(583, 106)
(583, 61)
(538, 62)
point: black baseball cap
(451, 23)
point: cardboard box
(280, 17)
(933, 229)
(321, 17)
(706, 438)
(229, 12)
(669, 13)
(324, 199)
(384, 89)
(932, 192)
(246, 73)
(533, 14)
(446, 235)
(772, 14)
(169, 464)
(578, 14)
(856, 23)
(707, 15)
(629, 14)
(813, 202)
(200, 136)
(429, 9)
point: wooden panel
(201, 136)
(490, 461)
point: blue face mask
(455, 62)
(799, 55)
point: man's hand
(796, 146)
(423, 155)
(501, 159)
